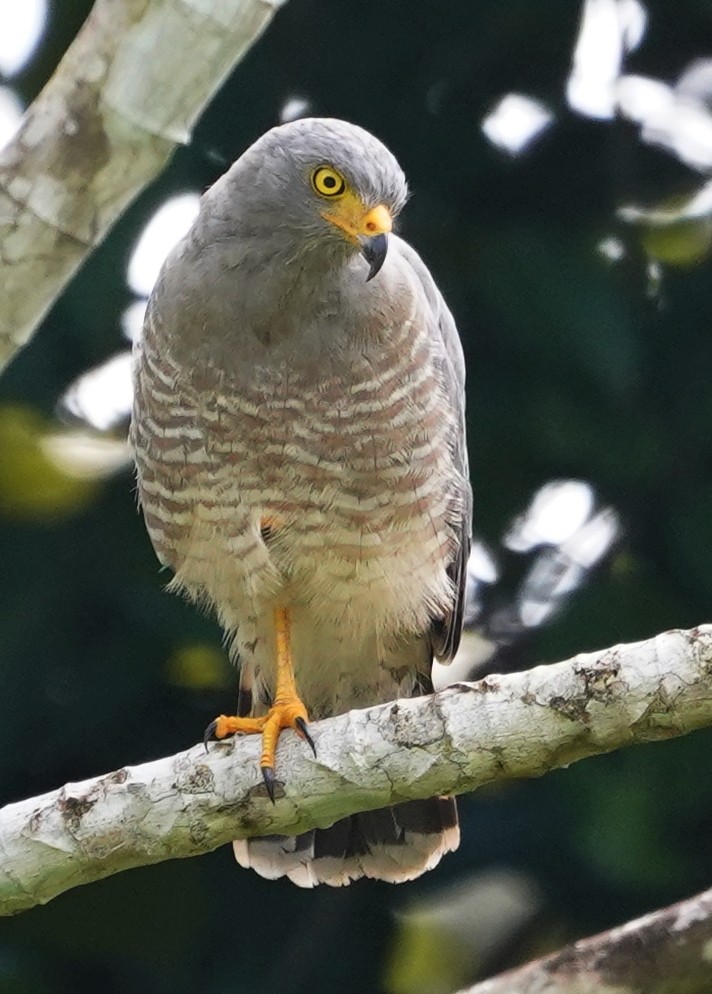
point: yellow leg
(287, 710)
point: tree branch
(500, 728)
(128, 90)
(668, 950)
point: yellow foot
(286, 713)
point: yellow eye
(327, 182)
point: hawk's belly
(336, 497)
(362, 568)
(356, 544)
(365, 548)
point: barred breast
(324, 484)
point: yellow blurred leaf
(199, 666)
(684, 243)
(32, 485)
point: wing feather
(446, 631)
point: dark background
(578, 367)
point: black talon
(268, 777)
(208, 734)
(304, 732)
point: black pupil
(329, 182)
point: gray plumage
(299, 439)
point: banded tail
(393, 844)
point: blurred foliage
(578, 366)
(678, 243)
(32, 485)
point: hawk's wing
(445, 633)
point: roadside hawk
(299, 434)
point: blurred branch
(128, 90)
(668, 950)
(500, 728)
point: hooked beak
(374, 249)
(366, 228)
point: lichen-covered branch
(664, 952)
(129, 88)
(500, 728)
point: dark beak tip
(374, 249)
